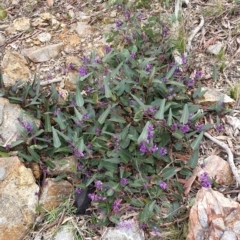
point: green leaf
(125, 155)
(137, 203)
(47, 122)
(116, 70)
(139, 102)
(60, 177)
(192, 163)
(171, 72)
(160, 113)
(34, 155)
(56, 140)
(169, 121)
(196, 142)
(49, 163)
(176, 83)
(112, 160)
(104, 115)
(215, 73)
(168, 172)
(144, 135)
(124, 132)
(79, 98)
(186, 172)
(3, 13)
(185, 115)
(78, 114)
(108, 92)
(178, 134)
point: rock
(71, 80)
(8, 120)
(218, 169)
(82, 17)
(18, 199)
(113, 14)
(215, 49)
(83, 29)
(129, 230)
(66, 232)
(65, 165)
(212, 97)
(44, 37)
(21, 24)
(214, 217)
(54, 193)
(2, 39)
(15, 67)
(82, 201)
(43, 54)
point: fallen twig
(193, 33)
(230, 156)
(173, 222)
(44, 83)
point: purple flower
(127, 15)
(70, 66)
(184, 59)
(107, 49)
(79, 167)
(163, 151)
(94, 197)
(85, 116)
(97, 60)
(174, 126)
(163, 185)
(98, 185)
(145, 185)
(119, 7)
(86, 60)
(148, 67)
(82, 71)
(155, 231)
(133, 55)
(150, 131)
(143, 147)
(118, 24)
(127, 224)
(116, 205)
(164, 32)
(78, 190)
(190, 82)
(77, 153)
(198, 74)
(219, 127)
(73, 103)
(98, 131)
(56, 112)
(205, 180)
(164, 79)
(123, 181)
(150, 111)
(184, 128)
(199, 127)
(27, 126)
(153, 149)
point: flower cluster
(95, 197)
(205, 180)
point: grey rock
(83, 29)
(44, 37)
(43, 54)
(128, 231)
(2, 39)
(215, 49)
(8, 120)
(15, 67)
(2, 173)
(21, 24)
(18, 200)
(65, 232)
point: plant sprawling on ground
(131, 110)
